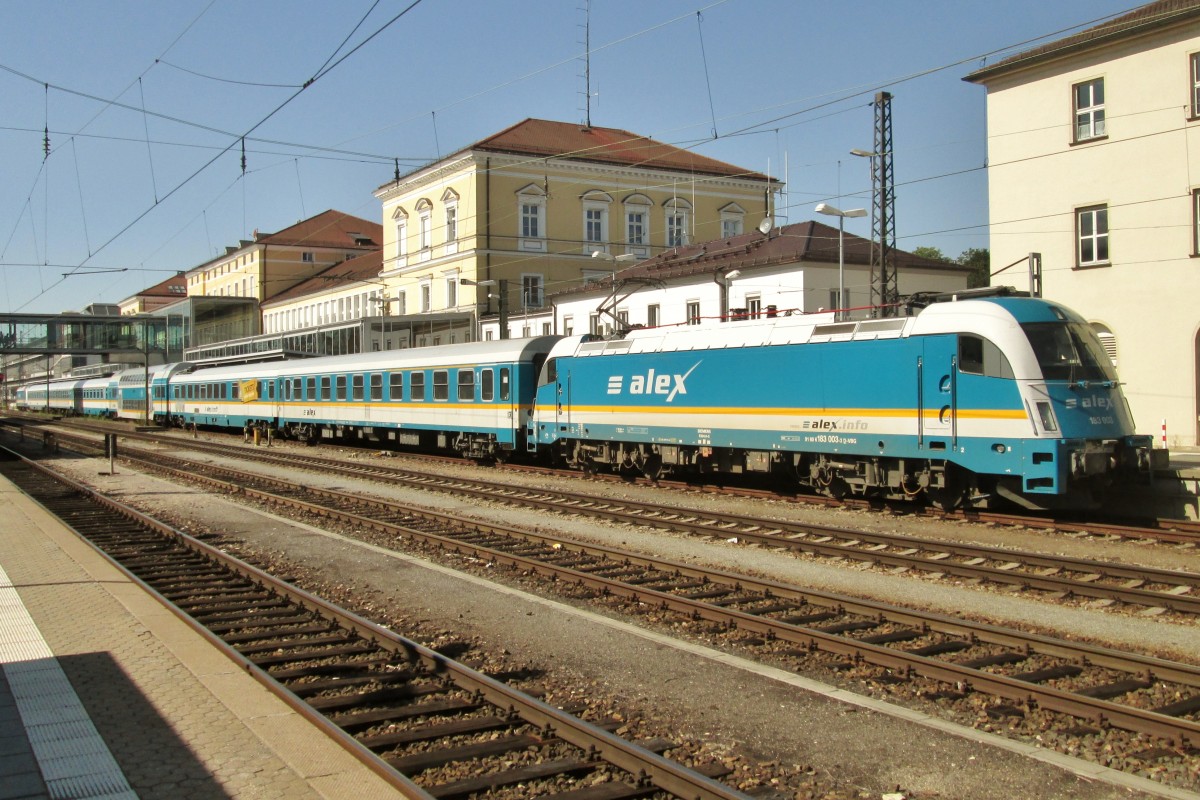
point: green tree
(979, 259)
(930, 252)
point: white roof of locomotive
(980, 317)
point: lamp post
(502, 289)
(825, 208)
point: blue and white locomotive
(968, 400)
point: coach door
(937, 386)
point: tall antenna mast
(587, 62)
(885, 294)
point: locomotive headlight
(1047, 416)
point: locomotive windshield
(1069, 351)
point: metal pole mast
(885, 291)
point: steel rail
(817, 540)
(663, 773)
(1126, 717)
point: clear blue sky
(784, 84)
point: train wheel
(951, 495)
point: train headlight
(1046, 414)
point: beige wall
(1144, 171)
(487, 190)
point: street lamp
(502, 292)
(825, 208)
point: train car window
(416, 386)
(970, 354)
(487, 386)
(396, 386)
(224, 391)
(340, 383)
(466, 384)
(236, 390)
(505, 384)
(324, 387)
(310, 386)
(979, 356)
(550, 373)
(376, 385)
(356, 387)
(297, 388)
(270, 390)
(1069, 351)
(441, 384)
(287, 390)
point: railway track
(431, 726)
(1060, 577)
(1089, 689)
(1165, 530)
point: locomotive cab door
(937, 388)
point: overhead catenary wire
(438, 148)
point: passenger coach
(472, 399)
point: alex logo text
(651, 382)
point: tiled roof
(365, 267)
(1148, 17)
(540, 138)
(791, 244)
(328, 229)
(174, 286)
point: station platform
(104, 693)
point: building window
(425, 231)
(307, 257)
(595, 221)
(678, 214)
(1194, 61)
(450, 204)
(1089, 110)
(531, 204)
(693, 312)
(531, 291)
(568, 324)
(401, 220)
(637, 225)
(754, 307)
(452, 230)
(1091, 226)
(1196, 222)
(426, 297)
(732, 219)
(652, 315)
(451, 293)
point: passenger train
(974, 399)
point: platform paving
(83, 648)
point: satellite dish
(765, 226)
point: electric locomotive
(968, 400)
